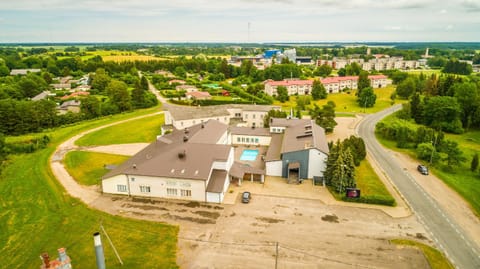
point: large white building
(379, 63)
(199, 162)
(337, 84)
(247, 115)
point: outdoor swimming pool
(249, 155)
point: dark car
(246, 197)
(422, 169)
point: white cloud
(443, 11)
(449, 27)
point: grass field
(347, 102)
(87, 168)
(36, 215)
(461, 179)
(435, 258)
(371, 187)
(124, 133)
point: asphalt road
(447, 234)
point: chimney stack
(46, 260)
(97, 242)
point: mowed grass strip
(87, 168)
(136, 131)
(372, 189)
(435, 258)
(37, 215)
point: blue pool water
(249, 155)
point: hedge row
(372, 199)
(27, 146)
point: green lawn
(461, 179)
(435, 258)
(372, 189)
(137, 131)
(347, 102)
(87, 168)
(36, 215)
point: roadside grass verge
(372, 189)
(347, 102)
(435, 258)
(136, 131)
(37, 215)
(465, 182)
(87, 168)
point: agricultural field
(32, 202)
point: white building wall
(223, 140)
(168, 117)
(110, 185)
(213, 197)
(182, 124)
(242, 140)
(273, 168)
(316, 163)
(158, 186)
(253, 118)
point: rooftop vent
(185, 138)
(182, 154)
(186, 130)
(134, 166)
(203, 125)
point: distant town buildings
(379, 63)
(22, 72)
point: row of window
(194, 122)
(247, 140)
(183, 193)
(147, 189)
(253, 116)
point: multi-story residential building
(294, 86)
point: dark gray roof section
(217, 181)
(249, 131)
(238, 170)
(211, 132)
(301, 134)
(275, 148)
(41, 96)
(178, 159)
(198, 112)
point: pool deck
(258, 162)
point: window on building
(253, 116)
(144, 188)
(256, 140)
(246, 116)
(121, 188)
(238, 139)
(243, 139)
(193, 121)
(171, 192)
(186, 193)
(248, 140)
(132, 179)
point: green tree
(363, 82)
(416, 108)
(282, 94)
(325, 116)
(427, 152)
(443, 112)
(323, 70)
(138, 96)
(144, 83)
(406, 87)
(4, 71)
(273, 114)
(367, 98)
(468, 97)
(302, 102)
(90, 107)
(454, 154)
(100, 80)
(474, 163)
(119, 96)
(318, 90)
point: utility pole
(276, 255)
(433, 149)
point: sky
(239, 20)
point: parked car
(422, 169)
(246, 196)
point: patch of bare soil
(144, 207)
(208, 214)
(330, 218)
(143, 200)
(269, 220)
(191, 219)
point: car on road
(422, 169)
(246, 196)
